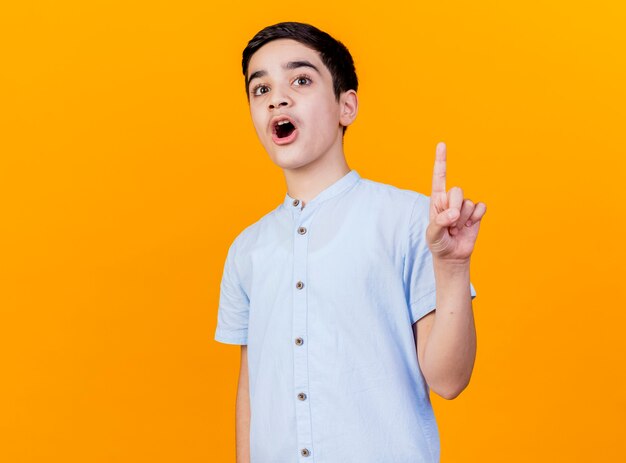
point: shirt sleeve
(419, 274)
(233, 310)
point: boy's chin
(285, 159)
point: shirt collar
(334, 189)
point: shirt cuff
(229, 337)
(423, 306)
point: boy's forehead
(281, 51)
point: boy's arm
(242, 412)
(446, 337)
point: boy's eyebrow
(256, 75)
(300, 64)
(287, 66)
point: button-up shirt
(325, 296)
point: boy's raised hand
(454, 221)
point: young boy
(332, 295)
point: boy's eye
(302, 80)
(259, 90)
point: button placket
(302, 218)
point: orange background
(128, 164)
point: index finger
(439, 171)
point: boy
(332, 295)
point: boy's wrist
(451, 267)
(452, 280)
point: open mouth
(284, 128)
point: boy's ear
(349, 106)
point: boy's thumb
(447, 217)
(444, 220)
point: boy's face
(288, 81)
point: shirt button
(299, 285)
(302, 396)
(302, 230)
(305, 452)
(296, 202)
(299, 341)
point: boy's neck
(306, 182)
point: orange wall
(128, 163)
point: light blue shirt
(325, 296)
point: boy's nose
(278, 103)
(279, 98)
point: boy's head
(333, 53)
(301, 86)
